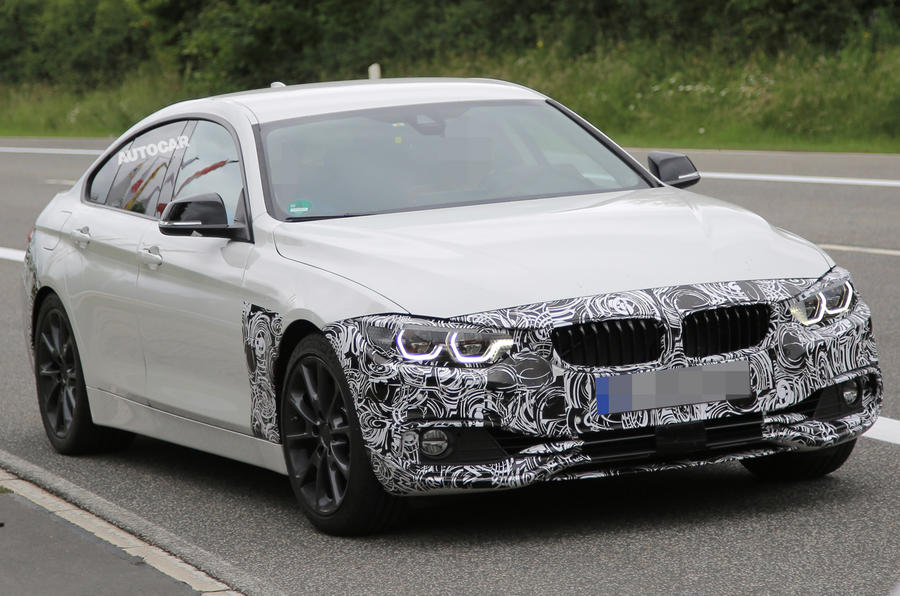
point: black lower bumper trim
(654, 442)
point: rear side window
(103, 179)
(211, 165)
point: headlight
(449, 346)
(828, 298)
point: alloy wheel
(317, 435)
(57, 372)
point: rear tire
(800, 465)
(327, 462)
(62, 396)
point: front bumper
(533, 417)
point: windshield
(433, 155)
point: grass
(648, 95)
(4, 490)
(44, 110)
(641, 94)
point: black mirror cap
(675, 169)
(201, 214)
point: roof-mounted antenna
(276, 84)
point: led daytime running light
(416, 357)
(848, 296)
(799, 309)
(489, 354)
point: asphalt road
(708, 530)
(61, 556)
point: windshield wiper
(318, 217)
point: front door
(190, 288)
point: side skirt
(111, 410)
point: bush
(226, 44)
(785, 73)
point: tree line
(232, 44)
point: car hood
(461, 260)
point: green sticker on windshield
(298, 207)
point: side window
(211, 165)
(102, 180)
(143, 167)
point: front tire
(800, 465)
(327, 463)
(62, 396)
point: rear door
(103, 235)
(191, 299)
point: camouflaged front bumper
(535, 394)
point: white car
(386, 288)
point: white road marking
(709, 175)
(60, 182)
(885, 429)
(122, 528)
(165, 562)
(801, 179)
(50, 151)
(872, 251)
(11, 254)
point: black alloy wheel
(317, 434)
(62, 395)
(58, 374)
(326, 460)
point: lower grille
(609, 343)
(720, 330)
(645, 444)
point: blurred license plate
(673, 387)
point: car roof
(280, 103)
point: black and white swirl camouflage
(534, 392)
(32, 286)
(262, 330)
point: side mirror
(204, 214)
(673, 168)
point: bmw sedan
(403, 287)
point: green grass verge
(642, 94)
(648, 95)
(43, 110)
(4, 490)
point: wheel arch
(42, 294)
(293, 335)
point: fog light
(434, 443)
(850, 392)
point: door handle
(81, 236)
(150, 257)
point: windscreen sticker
(298, 207)
(152, 149)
